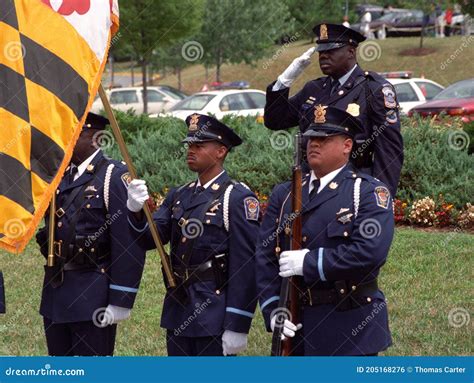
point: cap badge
(193, 122)
(320, 114)
(323, 32)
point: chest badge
(90, 188)
(333, 185)
(215, 186)
(344, 216)
(353, 109)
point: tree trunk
(178, 72)
(421, 36)
(132, 73)
(218, 65)
(144, 81)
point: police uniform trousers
(193, 346)
(79, 338)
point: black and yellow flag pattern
(48, 77)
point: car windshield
(173, 94)
(196, 102)
(461, 89)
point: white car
(220, 103)
(123, 99)
(412, 92)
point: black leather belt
(344, 294)
(77, 257)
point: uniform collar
(83, 166)
(343, 79)
(209, 183)
(325, 179)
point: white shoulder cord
(357, 195)
(225, 212)
(108, 176)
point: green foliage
(432, 164)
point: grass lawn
(384, 55)
(427, 275)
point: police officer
(347, 229)
(97, 267)
(366, 95)
(212, 226)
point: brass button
(369, 299)
(57, 191)
(354, 175)
(346, 234)
(60, 224)
(353, 288)
(88, 205)
(80, 250)
(183, 239)
(218, 292)
(342, 291)
(366, 73)
(208, 221)
(277, 249)
(304, 238)
(102, 271)
(92, 250)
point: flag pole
(131, 169)
(52, 214)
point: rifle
(288, 305)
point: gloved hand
(114, 314)
(289, 328)
(297, 67)
(233, 342)
(137, 193)
(291, 262)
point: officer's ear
(352, 51)
(222, 151)
(348, 143)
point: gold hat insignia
(320, 114)
(193, 122)
(323, 32)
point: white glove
(137, 193)
(233, 342)
(289, 328)
(297, 67)
(114, 314)
(291, 262)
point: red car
(456, 100)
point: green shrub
(432, 166)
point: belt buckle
(57, 248)
(60, 212)
(182, 222)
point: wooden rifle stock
(288, 304)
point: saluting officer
(98, 267)
(347, 230)
(367, 95)
(212, 226)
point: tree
(146, 25)
(238, 31)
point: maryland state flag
(52, 55)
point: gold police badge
(353, 110)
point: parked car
(456, 100)
(123, 99)
(220, 103)
(412, 91)
(402, 22)
(174, 92)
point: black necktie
(335, 86)
(72, 173)
(199, 189)
(316, 183)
